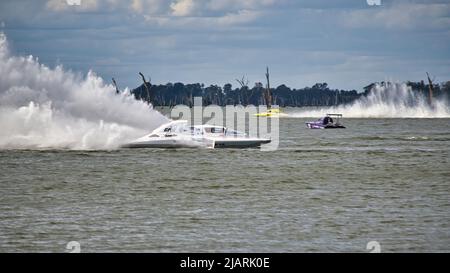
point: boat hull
(155, 145)
(248, 143)
(207, 143)
(169, 142)
(312, 125)
(272, 115)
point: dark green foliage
(317, 95)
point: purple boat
(327, 122)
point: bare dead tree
(115, 85)
(243, 82)
(336, 99)
(430, 89)
(244, 88)
(268, 95)
(147, 86)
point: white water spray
(42, 107)
(386, 101)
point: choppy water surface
(323, 190)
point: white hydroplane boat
(178, 134)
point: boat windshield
(178, 128)
(326, 120)
(234, 133)
(194, 130)
(215, 130)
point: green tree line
(320, 94)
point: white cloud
(176, 13)
(183, 7)
(137, 6)
(221, 5)
(149, 6)
(240, 17)
(400, 16)
(57, 5)
(62, 5)
(202, 22)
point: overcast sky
(346, 43)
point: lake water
(386, 180)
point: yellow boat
(271, 112)
(275, 112)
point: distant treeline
(319, 94)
